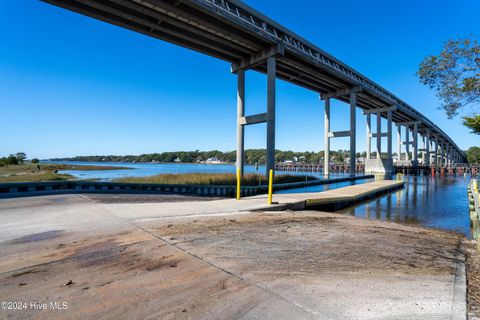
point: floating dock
(335, 199)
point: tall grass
(43, 176)
(214, 179)
(44, 172)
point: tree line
(252, 156)
(15, 159)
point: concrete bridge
(234, 32)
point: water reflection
(435, 202)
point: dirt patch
(473, 279)
(38, 237)
(246, 221)
(110, 255)
(26, 272)
(285, 243)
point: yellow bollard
(239, 178)
(270, 187)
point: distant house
(177, 160)
(213, 161)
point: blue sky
(71, 85)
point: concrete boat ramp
(107, 256)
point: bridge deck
(234, 32)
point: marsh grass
(43, 176)
(214, 179)
(44, 172)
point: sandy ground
(81, 260)
(473, 279)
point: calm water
(150, 169)
(439, 202)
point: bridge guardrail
(474, 208)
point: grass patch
(45, 176)
(44, 172)
(214, 179)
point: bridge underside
(233, 32)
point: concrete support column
(271, 74)
(353, 109)
(407, 143)
(427, 152)
(440, 151)
(369, 136)
(326, 156)
(415, 144)
(379, 135)
(432, 152)
(423, 152)
(399, 142)
(435, 155)
(389, 137)
(240, 114)
(445, 156)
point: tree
(473, 155)
(473, 123)
(35, 160)
(21, 156)
(455, 76)
(10, 160)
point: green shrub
(10, 160)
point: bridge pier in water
(338, 134)
(379, 164)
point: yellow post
(270, 187)
(239, 178)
